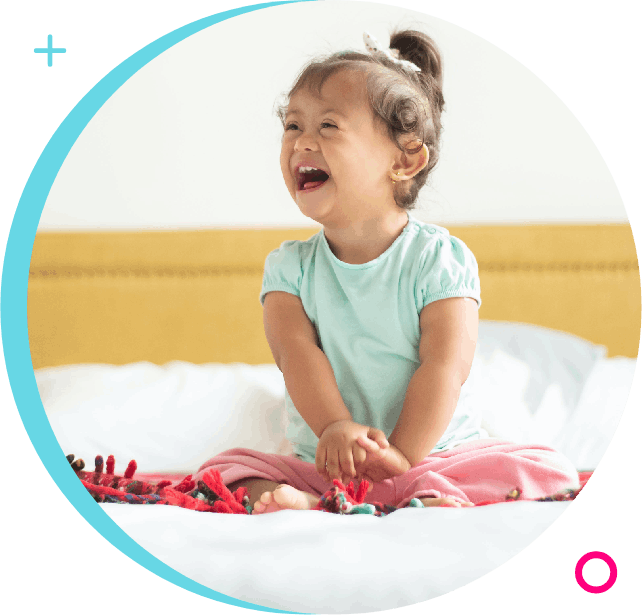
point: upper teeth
(307, 169)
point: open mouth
(310, 178)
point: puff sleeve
(283, 270)
(449, 269)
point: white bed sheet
(317, 562)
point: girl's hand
(383, 464)
(338, 453)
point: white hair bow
(374, 47)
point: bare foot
(284, 497)
(444, 502)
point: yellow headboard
(120, 297)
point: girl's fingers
(369, 445)
(379, 437)
(320, 460)
(332, 465)
(359, 456)
(347, 464)
(359, 453)
(373, 450)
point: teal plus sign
(50, 50)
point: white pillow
(169, 418)
(528, 380)
(552, 357)
(593, 422)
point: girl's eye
(290, 126)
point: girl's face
(336, 159)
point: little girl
(373, 320)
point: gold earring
(398, 178)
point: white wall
(192, 140)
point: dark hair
(408, 102)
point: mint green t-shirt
(367, 320)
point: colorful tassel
(211, 495)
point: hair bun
(420, 49)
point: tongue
(309, 185)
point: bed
(149, 346)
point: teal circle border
(13, 308)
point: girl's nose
(309, 147)
(305, 143)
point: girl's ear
(416, 162)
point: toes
(286, 496)
(456, 504)
(283, 495)
(258, 507)
(444, 502)
(261, 505)
(266, 497)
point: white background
(192, 139)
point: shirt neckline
(374, 261)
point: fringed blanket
(211, 495)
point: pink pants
(482, 470)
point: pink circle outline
(595, 589)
